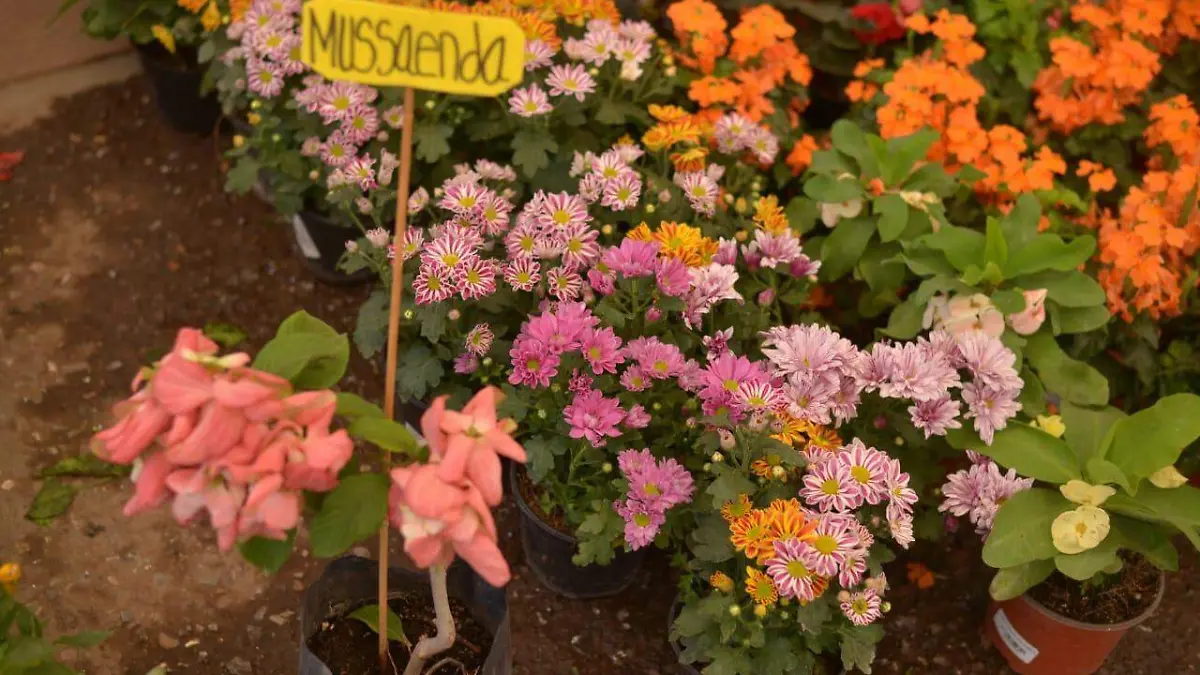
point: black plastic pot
(177, 80)
(549, 554)
(351, 582)
(320, 242)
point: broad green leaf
(1032, 452)
(1033, 394)
(995, 248)
(844, 246)
(848, 138)
(1160, 505)
(532, 150)
(904, 152)
(51, 501)
(905, 320)
(802, 214)
(268, 554)
(1012, 582)
(1008, 301)
(1067, 289)
(1151, 439)
(369, 614)
(354, 406)
(926, 262)
(306, 351)
(1021, 530)
(1087, 564)
(1087, 428)
(1049, 252)
(1073, 380)
(242, 176)
(225, 334)
(1100, 471)
(830, 190)
(1072, 320)
(85, 639)
(1020, 224)
(893, 216)
(963, 247)
(387, 434)
(1153, 542)
(931, 177)
(431, 141)
(24, 651)
(353, 511)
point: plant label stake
(384, 45)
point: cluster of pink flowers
(979, 491)
(654, 487)
(628, 44)
(208, 433)
(736, 134)
(609, 178)
(442, 507)
(855, 475)
(701, 189)
(268, 36)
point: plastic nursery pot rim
(1122, 627)
(514, 480)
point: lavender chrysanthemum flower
(936, 417)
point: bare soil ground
(114, 233)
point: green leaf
(830, 190)
(844, 246)
(225, 334)
(801, 213)
(369, 614)
(432, 319)
(242, 176)
(84, 639)
(354, 406)
(1032, 452)
(1012, 582)
(1049, 252)
(710, 539)
(268, 555)
(931, 177)
(1008, 301)
(1067, 289)
(1103, 472)
(353, 511)
(995, 248)
(858, 646)
(531, 151)
(848, 138)
(431, 141)
(1072, 320)
(1073, 380)
(418, 373)
(598, 533)
(1087, 428)
(24, 651)
(730, 483)
(1033, 394)
(1170, 506)
(1084, 565)
(906, 320)
(904, 152)
(306, 351)
(539, 455)
(1152, 542)
(893, 216)
(370, 332)
(51, 501)
(86, 465)
(387, 434)
(1020, 224)
(780, 657)
(1021, 530)
(963, 247)
(1151, 439)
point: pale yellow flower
(1168, 477)
(1085, 493)
(10, 574)
(1079, 530)
(164, 36)
(1051, 424)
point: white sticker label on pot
(1012, 639)
(304, 240)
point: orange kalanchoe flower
(801, 155)
(1174, 123)
(1100, 178)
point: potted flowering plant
(24, 650)
(250, 445)
(1079, 551)
(167, 35)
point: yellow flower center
(796, 569)
(532, 364)
(861, 474)
(825, 544)
(642, 520)
(450, 259)
(730, 385)
(831, 487)
(341, 102)
(561, 217)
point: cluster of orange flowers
(680, 241)
(1147, 249)
(1094, 77)
(536, 17)
(762, 48)
(753, 533)
(210, 12)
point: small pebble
(167, 642)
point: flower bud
(717, 457)
(880, 421)
(253, 118)
(727, 440)
(453, 315)
(760, 611)
(606, 467)
(556, 387)
(690, 422)
(766, 297)
(314, 174)
(783, 614)
(885, 607)
(741, 235)
(255, 104)
(735, 611)
(607, 229)
(707, 467)
(898, 441)
(656, 406)
(275, 138)
(408, 314)
(778, 472)
(649, 208)
(541, 414)
(429, 105)
(239, 140)
(843, 596)
(487, 361)
(670, 71)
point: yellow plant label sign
(387, 45)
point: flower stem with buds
(430, 647)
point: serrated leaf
(431, 141)
(242, 176)
(532, 150)
(539, 458)
(370, 332)
(419, 371)
(369, 614)
(353, 511)
(858, 646)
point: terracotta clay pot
(1037, 641)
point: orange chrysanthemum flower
(751, 535)
(721, 582)
(760, 588)
(736, 508)
(768, 215)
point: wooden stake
(393, 351)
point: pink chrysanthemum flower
(862, 607)
(572, 80)
(990, 408)
(493, 213)
(490, 170)
(632, 258)
(562, 210)
(979, 492)
(935, 417)
(620, 193)
(790, 575)
(394, 116)
(853, 570)
(338, 99)
(700, 190)
(336, 151)
(641, 522)
(578, 244)
(538, 54)
(264, 78)
(479, 339)
(663, 485)
(634, 379)
(770, 250)
(632, 461)
(463, 198)
(726, 374)
(895, 485)
(448, 252)
(631, 51)
(755, 396)
(522, 274)
(763, 145)
(414, 239)
(610, 165)
(564, 284)
(732, 133)
(378, 237)
(520, 243)
(867, 467)
(602, 349)
(418, 200)
(641, 31)
(990, 362)
(656, 359)
(433, 284)
(477, 278)
(718, 343)
(466, 363)
(672, 276)
(830, 487)
(530, 101)
(361, 170)
(828, 548)
(580, 382)
(361, 124)
(637, 417)
(710, 285)
(533, 364)
(594, 417)
(597, 46)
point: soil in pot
(1125, 598)
(529, 493)
(348, 647)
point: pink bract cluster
(443, 507)
(843, 481)
(979, 491)
(208, 433)
(654, 487)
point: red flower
(881, 16)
